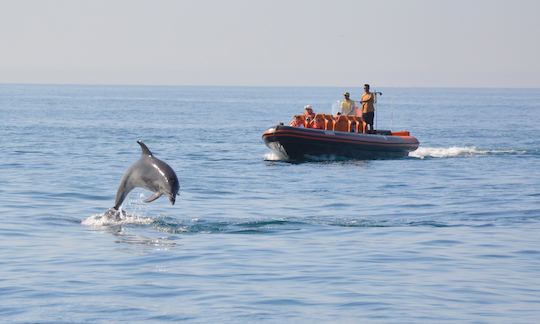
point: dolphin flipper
(155, 196)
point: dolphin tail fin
(153, 197)
(145, 149)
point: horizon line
(252, 86)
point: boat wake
(457, 151)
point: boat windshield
(336, 107)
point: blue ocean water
(449, 234)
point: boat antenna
(375, 94)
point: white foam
(445, 152)
(124, 219)
(133, 213)
(455, 151)
(273, 156)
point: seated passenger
(318, 122)
(309, 122)
(298, 121)
(308, 111)
(341, 124)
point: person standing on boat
(368, 107)
(347, 105)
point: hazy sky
(472, 43)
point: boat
(341, 137)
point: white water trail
(455, 151)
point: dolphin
(149, 173)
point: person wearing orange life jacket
(317, 122)
(297, 121)
(347, 105)
(368, 107)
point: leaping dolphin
(149, 173)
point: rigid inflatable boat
(341, 137)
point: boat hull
(305, 143)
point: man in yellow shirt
(347, 105)
(368, 107)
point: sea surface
(449, 234)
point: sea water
(449, 234)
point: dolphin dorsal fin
(145, 149)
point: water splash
(273, 156)
(102, 220)
(456, 151)
(133, 213)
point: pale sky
(455, 43)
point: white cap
(308, 106)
